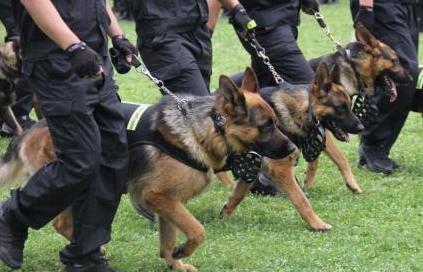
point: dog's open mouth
(391, 88)
(337, 131)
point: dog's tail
(11, 166)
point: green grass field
(380, 230)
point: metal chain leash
(261, 53)
(140, 67)
(320, 20)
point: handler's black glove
(365, 16)
(85, 61)
(122, 47)
(309, 6)
(239, 18)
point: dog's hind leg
(282, 172)
(310, 174)
(336, 155)
(223, 177)
(167, 245)
(238, 194)
(63, 223)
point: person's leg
(395, 25)
(94, 212)
(6, 17)
(284, 54)
(76, 140)
(171, 58)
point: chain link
(140, 67)
(320, 20)
(261, 53)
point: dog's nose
(360, 127)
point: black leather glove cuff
(239, 18)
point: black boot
(12, 239)
(100, 265)
(264, 186)
(375, 158)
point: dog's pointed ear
(363, 35)
(250, 81)
(231, 98)
(322, 79)
(335, 74)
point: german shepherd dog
(9, 76)
(376, 64)
(248, 122)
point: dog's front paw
(321, 226)
(225, 212)
(354, 188)
(180, 266)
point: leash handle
(140, 67)
(250, 38)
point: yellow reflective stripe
(420, 80)
(135, 117)
(251, 24)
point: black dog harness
(139, 129)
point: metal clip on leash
(250, 38)
(140, 67)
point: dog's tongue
(392, 89)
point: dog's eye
(267, 127)
(341, 108)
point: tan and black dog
(371, 60)
(376, 64)
(206, 131)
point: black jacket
(88, 19)
(269, 13)
(154, 17)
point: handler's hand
(365, 16)
(309, 6)
(125, 47)
(85, 61)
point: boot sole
(364, 164)
(4, 256)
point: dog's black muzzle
(340, 128)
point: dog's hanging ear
(322, 79)
(363, 35)
(230, 97)
(250, 82)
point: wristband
(76, 47)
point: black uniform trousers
(280, 43)
(396, 25)
(182, 60)
(89, 137)
(6, 17)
